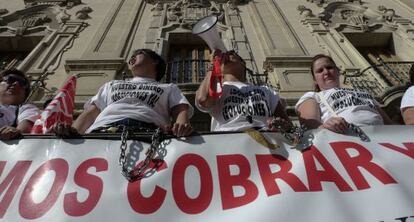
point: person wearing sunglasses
(241, 105)
(142, 102)
(16, 116)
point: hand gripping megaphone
(206, 29)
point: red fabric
(60, 109)
(216, 79)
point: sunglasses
(12, 79)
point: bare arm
(280, 111)
(202, 96)
(25, 126)
(385, 117)
(408, 115)
(86, 119)
(9, 132)
(181, 126)
(309, 114)
(280, 119)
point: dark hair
(241, 60)
(160, 67)
(411, 72)
(314, 59)
(19, 73)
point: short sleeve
(306, 96)
(28, 112)
(101, 98)
(274, 98)
(408, 98)
(201, 108)
(176, 97)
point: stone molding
(188, 12)
(338, 17)
(75, 65)
(52, 21)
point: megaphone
(206, 29)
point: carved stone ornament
(36, 15)
(305, 12)
(318, 2)
(62, 17)
(35, 19)
(157, 7)
(387, 14)
(68, 3)
(322, 3)
(188, 12)
(3, 11)
(83, 14)
(355, 16)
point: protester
(241, 105)
(141, 102)
(16, 116)
(332, 107)
(407, 102)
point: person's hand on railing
(9, 133)
(336, 124)
(64, 131)
(179, 129)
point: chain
(137, 172)
(292, 133)
(124, 146)
(361, 134)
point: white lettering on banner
(86, 181)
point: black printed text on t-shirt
(147, 93)
(251, 103)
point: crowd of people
(143, 103)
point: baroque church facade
(372, 42)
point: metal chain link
(361, 134)
(124, 146)
(293, 134)
(137, 172)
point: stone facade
(92, 39)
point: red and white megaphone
(206, 29)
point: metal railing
(394, 74)
(194, 71)
(187, 71)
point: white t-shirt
(356, 107)
(408, 98)
(141, 99)
(26, 112)
(239, 103)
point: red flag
(60, 109)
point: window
(187, 63)
(384, 54)
(14, 50)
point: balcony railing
(194, 71)
(394, 74)
(187, 71)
